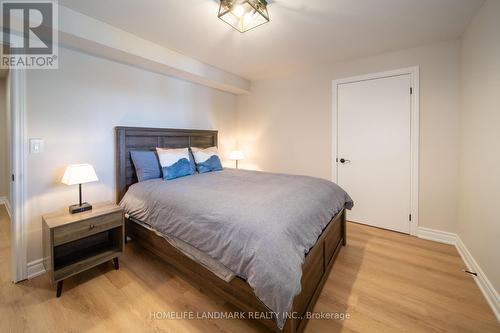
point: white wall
(4, 161)
(75, 109)
(285, 123)
(479, 219)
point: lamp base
(73, 209)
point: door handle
(344, 161)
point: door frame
(414, 130)
(19, 266)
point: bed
(237, 290)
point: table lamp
(79, 174)
(236, 155)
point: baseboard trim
(35, 268)
(482, 281)
(437, 235)
(5, 202)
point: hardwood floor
(385, 281)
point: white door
(374, 150)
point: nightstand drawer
(77, 230)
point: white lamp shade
(79, 174)
(236, 155)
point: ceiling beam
(90, 35)
(84, 33)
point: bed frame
(315, 269)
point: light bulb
(238, 11)
(248, 18)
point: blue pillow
(179, 169)
(175, 163)
(212, 164)
(146, 165)
(191, 161)
(207, 159)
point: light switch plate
(36, 146)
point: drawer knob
(92, 226)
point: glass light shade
(79, 174)
(236, 155)
(244, 15)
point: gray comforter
(259, 225)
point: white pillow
(201, 155)
(175, 163)
(169, 157)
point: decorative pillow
(146, 165)
(191, 160)
(175, 163)
(207, 159)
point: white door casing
(17, 83)
(375, 129)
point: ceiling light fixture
(244, 15)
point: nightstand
(73, 243)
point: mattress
(258, 225)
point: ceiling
(301, 34)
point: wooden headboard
(139, 138)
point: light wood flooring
(386, 282)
